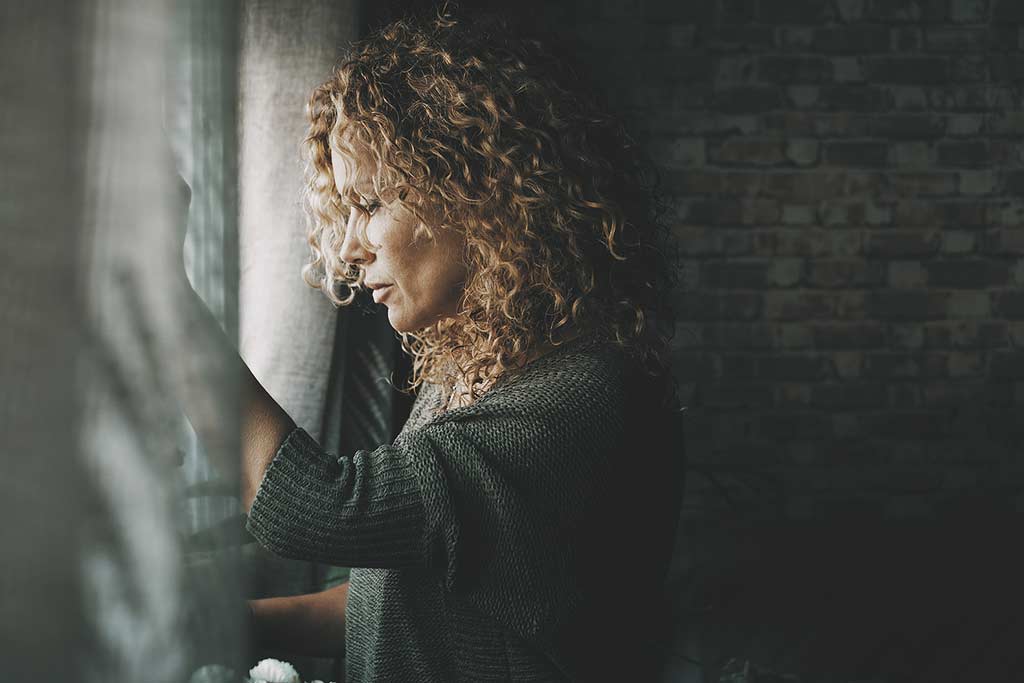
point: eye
(367, 207)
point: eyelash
(369, 209)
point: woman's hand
(179, 197)
(311, 624)
(206, 369)
(182, 201)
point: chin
(400, 323)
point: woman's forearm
(209, 366)
(311, 624)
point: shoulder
(571, 401)
(580, 376)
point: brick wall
(847, 183)
(847, 188)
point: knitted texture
(522, 537)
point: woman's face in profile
(419, 279)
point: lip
(379, 291)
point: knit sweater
(522, 537)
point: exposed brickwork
(847, 178)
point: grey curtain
(201, 121)
(327, 368)
(95, 586)
(118, 545)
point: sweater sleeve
(478, 493)
(363, 510)
(516, 503)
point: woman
(520, 525)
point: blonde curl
(477, 130)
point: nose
(352, 250)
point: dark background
(846, 180)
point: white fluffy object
(274, 671)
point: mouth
(379, 291)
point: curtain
(119, 551)
(201, 121)
(322, 365)
(95, 584)
(306, 354)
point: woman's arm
(311, 624)
(262, 423)
(205, 360)
(211, 360)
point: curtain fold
(293, 339)
(120, 556)
(201, 121)
(94, 585)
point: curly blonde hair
(476, 130)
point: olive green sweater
(522, 537)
